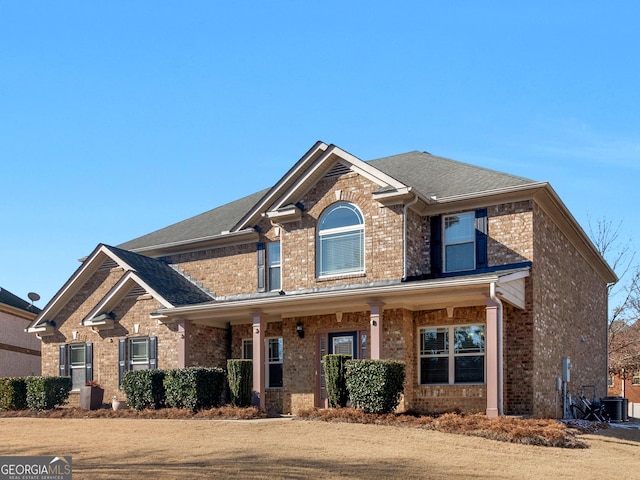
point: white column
(376, 330)
(491, 352)
(258, 328)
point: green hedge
(240, 379)
(13, 393)
(144, 388)
(375, 385)
(194, 387)
(335, 379)
(45, 393)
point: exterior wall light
(300, 329)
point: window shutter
(436, 245)
(63, 361)
(261, 267)
(88, 371)
(122, 360)
(482, 231)
(153, 353)
(322, 351)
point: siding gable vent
(338, 170)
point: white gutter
(404, 235)
(494, 297)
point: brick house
(479, 280)
(19, 351)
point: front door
(343, 343)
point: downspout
(498, 302)
(404, 235)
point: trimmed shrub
(13, 393)
(45, 393)
(194, 387)
(375, 386)
(335, 379)
(144, 388)
(240, 379)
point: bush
(240, 379)
(375, 385)
(335, 379)
(13, 393)
(45, 393)
(194, 387)
(144, 388)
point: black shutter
(436, 245)
(63, 371)
(153, 353)
(261, 268)
(122, 360)
(88, 371)
(482, 234)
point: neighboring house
(482, 282)
(19, 351)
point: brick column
(491, 352)
(258, 328)
(376, 330)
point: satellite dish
(33, 296)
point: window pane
(275, 375)
(78, 355)
(275, 350)
(460, 257)
(434, 341)
(247, 349)
(343, 345)
(274, 278)
(140, 350)
(459, 228)
(469, 369)
(469, 339)
(341, 253)
(78, 376)
(273, 253)
(434, 370)
(341, 215)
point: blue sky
(119, 118)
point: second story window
(459, 242)
(273, 263)
(340, 241)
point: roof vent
(337, 170)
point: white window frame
(635, 378)
(272, 266)
(324, 234)
(132, 363)
(450, 353)
(446, 244)
(77, 369)
(247, 348)
(269, 360)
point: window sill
(327, 278)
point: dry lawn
(116, 448)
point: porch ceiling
(415, 296)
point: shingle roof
(207, 224)
(442, 177)
(428, 174)
(12, 300)
(167, 282)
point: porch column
(491, 351)
(376, 330)
(184, 331)
(258, 328)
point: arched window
(341, 241)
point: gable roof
(441, 177)
(427, 175)
(11, 300)
(155, 276)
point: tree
(624, 297)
